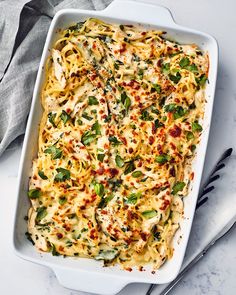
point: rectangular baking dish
(86, 274)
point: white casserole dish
(85, 274)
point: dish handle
(140, 12)
(89, 281)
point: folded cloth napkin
(23, 29)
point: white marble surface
(216, 273)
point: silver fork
(206, 189)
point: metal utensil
(220, 235)
(205, 190)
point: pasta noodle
(122, 113)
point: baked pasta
(122, 116)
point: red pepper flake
(151, 140)
(172, 171)
(61, 248)
(59, 236)
(123, 139)
(140, 164)
(144, 236)
(102, 100)
(175, 131)
(129, 269)
(131, 150)
(177, 100)
(68, 110)
(173, 146)
(192, 176)
(113, 172)
(165, 204)
(93, 235)
(123, 48)
(101, 170)
(153, 128)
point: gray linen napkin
(23, 29)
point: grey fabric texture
(23, 29)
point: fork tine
(206, 191)
(213, 178)
(201, 202)
(225, 155)
(217, 168)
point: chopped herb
(41, 213)
(104, 201)
(54, 251)
(80, 122)
(126, 101)
(145, 116)
(100, 157)
(34, 193)
(161, 159)
(92, 100)
(192, 106)
(116, 66)
(196, 127)
(62, 200)
(127, 104)
(97, 128)
(136, 58)
(69, 243)
(42, 175)
(156, 88)
(107, 119)
(65, 117)
(55, 152)
(114, 141)
(137, 174)
(107, 255)
(129, 168)
(175, 78)
(119, 161)
(158, 124)
(165, 68)
(140, 73)
(170, 107)
(122, 27)
(99, 189)
(179, 186)
(189, 135)
(157, 236)
(184, 62)
(51, 118)
(83, 230)
(178, 111)
(87, 138)
(63, 174)
(154, 110)
(192, 68)
(87, 117)
(149, 214)
(133, 198)
(193, 147)
(201, 80)
(29, 237)
(76, 27)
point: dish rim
(37, 89)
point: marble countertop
(214, 274)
